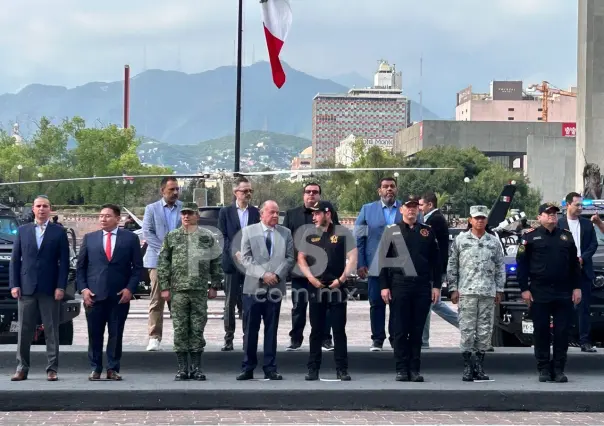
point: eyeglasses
(246, 191)
(311, 191)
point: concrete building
(590, 71)
(542, 151)
(299, 163)
(377, 112)
(345, 154)
(508, 101)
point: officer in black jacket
(294, 220)
(547, 255)
(410, 279)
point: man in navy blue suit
(39, 268)
(231, 220)
(586, 242)
(110, 263)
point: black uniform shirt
(550, 260)
(328, 259)
(423, 253)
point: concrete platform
(148, 384)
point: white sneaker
(153, 344)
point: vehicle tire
(66, 333)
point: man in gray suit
(267, 254)
(160, 218)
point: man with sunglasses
(298, 220)
(231, 221)
(547, 255)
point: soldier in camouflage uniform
(189, 273)
(476, 274)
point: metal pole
(238, 105)
(466, 199)
(126, 96)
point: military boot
(468, 367)
(196, 373)
(478, 371)
(183, 366)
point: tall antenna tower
(421, 91)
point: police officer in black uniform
(327, 258)
(410, 279)
(547, 256)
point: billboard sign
(569, 130)
(507, 90)
(464, 96)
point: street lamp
(40, 176)
(356, 194)
(124, 183)
(396, 177)
(466, 181)
(20, 168)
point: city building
(508, 101)
(299, 163)
(377, 112)
(345, 155)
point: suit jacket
(105, 278)
(256, 259)
(155, 229)
(439, 225)
(589, 243)
(368, 228)
(229, 225)
(40, 270)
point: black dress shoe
(227, 347)
(312, 375)
(559, 377)
(343, 375)
(402, 376)
(273, 375)
(245, 375)
(545, 375)
(588, 348)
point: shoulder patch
(521, 249)
(529, 230)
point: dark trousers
(111, 314)
(561, 310)
(255, 311)
(377, 312)
(29, 309)
(233, 292)
(300, 297)
(318, 310)
(410, 305)
(583, 319)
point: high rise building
(374, 113)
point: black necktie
(269, 243)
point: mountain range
(183, 109)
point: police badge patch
(521, 248)
(424, 232)
(563, 237)
(334, 239)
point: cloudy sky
(71, 42)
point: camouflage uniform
(188, 264)
(477, 272)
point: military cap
(412, 200)
(479, 211)
(189, 207)
(549, 208)
(321, 206)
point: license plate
(14, 327)
(527, 327)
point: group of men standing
(405, 260)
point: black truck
(70, 307)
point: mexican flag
(277, 20)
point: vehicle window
(8, 225)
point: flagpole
(238, 106)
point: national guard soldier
(547, 256)
(332, 259)
(190, 258)
(409, 283)
(476, 276)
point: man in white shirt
(586, 242)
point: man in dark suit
(110, 264)
(231, 221)
(296, 220)
(586, 242)
(39, 268)
(428, 205)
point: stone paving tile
(225, 417)
(358, 327)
